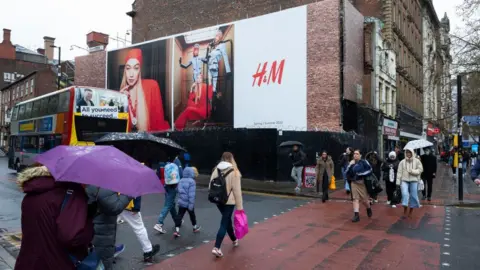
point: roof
(19, 80)
(21, 49)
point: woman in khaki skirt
(357, 170)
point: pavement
(292, 232)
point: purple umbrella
(101, 166)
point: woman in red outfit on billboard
(197, 104)
(145, 104)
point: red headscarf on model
(136, 54)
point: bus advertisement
(71, 116)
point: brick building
(90, 69)
(402, 30)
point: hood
(224, 165)
(411, 150)
(188, 172)
(37, 179)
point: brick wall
(90, 69)
(46, 82)
(323, 75)
(20, 67)
(156, 19)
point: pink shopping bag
(240, 223)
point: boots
(356, 217)
(369, 212)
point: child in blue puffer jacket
(186, 199)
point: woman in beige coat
(408, 175)
(324, 172)
(228, 167)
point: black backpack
(218, 188)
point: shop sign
(45, 124)
(390, 127)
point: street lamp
(76, 46)
(59, 72)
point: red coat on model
(195, 112)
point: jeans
(135, 221)
(170, 194)
(226, 225)
(410, 194)
(181, 213)
(297, 176)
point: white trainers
(217, 252)
(236, 243)
(388, 202)
(394, 206)
(297, 189)
(159, 228)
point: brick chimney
(6, 36)
(48, 43)
(97, 39)
(7, 50)
(41, 51)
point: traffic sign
(472, 120)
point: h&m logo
(269, 74)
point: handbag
(92, 261)
(397, 196)
(421, 185)
(240, 224)
(332, 185)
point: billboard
(96, 102)
(251, 73)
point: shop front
(390, 135)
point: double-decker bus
(71, 116)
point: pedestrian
(186, 199)
(475, 173)
(186, 159)
(178, 162)
(376, 163)
(324, 173)
(298, 158)
(429, 164)
(345, 159)
(408, 175)
(357, 170)
(132, 215)
(390, 168)
(465, 160)
(172, 177)
(228, 170)
(110, 205)
(51, 234)
(398, 151)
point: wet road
(259, 207)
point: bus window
(43, 106)
(36, 108)
(64, 102)
(46, 143)
(53, 104)
(30, 144)
(15, 113)
(28, 110)
(21, 112)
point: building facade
(34, 84)
(445, 95)
(90, 68)
(402, 30)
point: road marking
(445, 264)
(188, 248)
(448, 229)
(276, 195)
(274, 215)
(170, 255)
(265, 218)
(255, 222)
(289, 209)
(446, 253)
(447, 233)
(446, 245)
(206, 241)
(282, 212)
(446, 239)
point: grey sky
(70, 20)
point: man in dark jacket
(475, 173)
(110, 204)
(429, 163)
(400, 154)
(298, 159)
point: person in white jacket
(408, 176)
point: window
(27, 86)
(32, 85)
(28, 110)
(64, 102)
(21, 112)
(20, 94)
(30, 144)
(36, 108)
(52, 104)
(15, 92)
(48, 142)
(43, 106)
(389, 101)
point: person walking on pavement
(324, 171)
(110, 204)
(49, 233)
(357, 170)
(400, 154)
(390, 168)
(172, 177)
(429, 164)
(132, 215)
(178, 162)
(298, 158)
(344, 161)
(408, 175)
(186, 199)
(227, 169)
(376, 163)
(475, 173)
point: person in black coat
(391, 163)
(429, 163)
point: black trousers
(181, 213)
(427, 191)
(390, 188)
